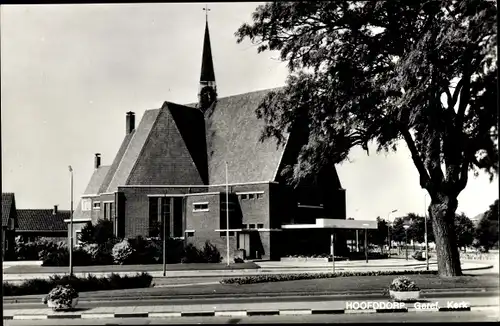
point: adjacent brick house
(9, 223)
(34, 224)
(172, 168)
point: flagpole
(227, 218)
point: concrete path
(266, 268)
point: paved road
(290, 302)
(488, 315)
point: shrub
(210, 253)
(90, 283)
(403, 283)
(307, 276)
(191, 255)
(145, 251)
(100, 233)
(99, 255)
(60, 257)
(62, 296)
(238, 260)
(122, 252)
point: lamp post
(71, 226)
(366, 241)
(227, 218)
(406, 227)
(389, 229)
(164, 231)
(426, 234)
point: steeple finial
(208, 88)
(206, 12)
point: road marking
(164, 314)
(98, 316)
(361, 311)
(296, 312)
(229, 313)
(30, 317)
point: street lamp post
(389, 229)
(406, 227)
(366, 241)
(227, 218)
(426, 235)
(164, 232)
(71, 227)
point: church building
(177, 162)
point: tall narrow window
(154, 226)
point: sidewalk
(266, 268)
(256, 308)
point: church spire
(208, 89)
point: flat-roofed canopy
(330, 223)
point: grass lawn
(126, 268)
(374, 284)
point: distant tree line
(484, 235)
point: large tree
(375, 72)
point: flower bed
(62, 297)
(90, 283)
(404, 289)
(310, 276)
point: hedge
(307, 276)
(90, 283)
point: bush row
(90, 283)
(127, 251)
(307, 276)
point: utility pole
(426, 235)
(389, 229)
(71, 227)
(164, 231)
(227, 217)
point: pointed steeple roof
(207, 65)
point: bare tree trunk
(442, 211)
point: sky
(69, 74)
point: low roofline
(198, 186)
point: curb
(351, 295)
(235, 313)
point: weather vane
(206, 12)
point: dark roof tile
(133, 150)
(41, 220)
(7, 202)
(96, 180)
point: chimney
(54, 212)
(97, 161)
(130, 122)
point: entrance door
(244, 243)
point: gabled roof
(133, 150)
(116, 162)
(96, 180)
(233, 134)
(8, 206)
(41, 220)
(177, 144)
